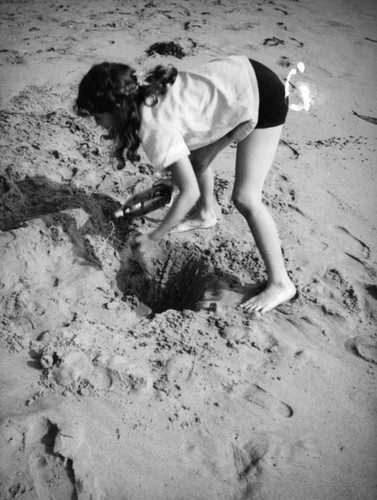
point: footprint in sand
(75, 369)
(179, 369)
(262, 398)
(338, 294)
(208, 453)
(361, 246)
(364, 347)
(53, 476)
(247, 459)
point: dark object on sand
(166, 49)
(284, 62)
(370, 119)
(151, 199)
(273, 42)
(294, 151)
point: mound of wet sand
(141, 379)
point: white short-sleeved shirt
(199, 108)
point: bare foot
(272, 296)
(195, 222)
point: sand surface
(124, 379)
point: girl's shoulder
(232, 74)
(219, 64)
(231, 70)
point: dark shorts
(273, 106)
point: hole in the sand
(180, 290)
(173, 287)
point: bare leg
(205, 205)
(255, 155)
(204, 215)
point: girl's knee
(200, 161)
(246, 203)
(199, 164)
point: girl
(183, 120)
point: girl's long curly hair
(114, 88)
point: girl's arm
(184, 178)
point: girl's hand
(142, 243)
(183, 176)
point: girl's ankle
(206, 214)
